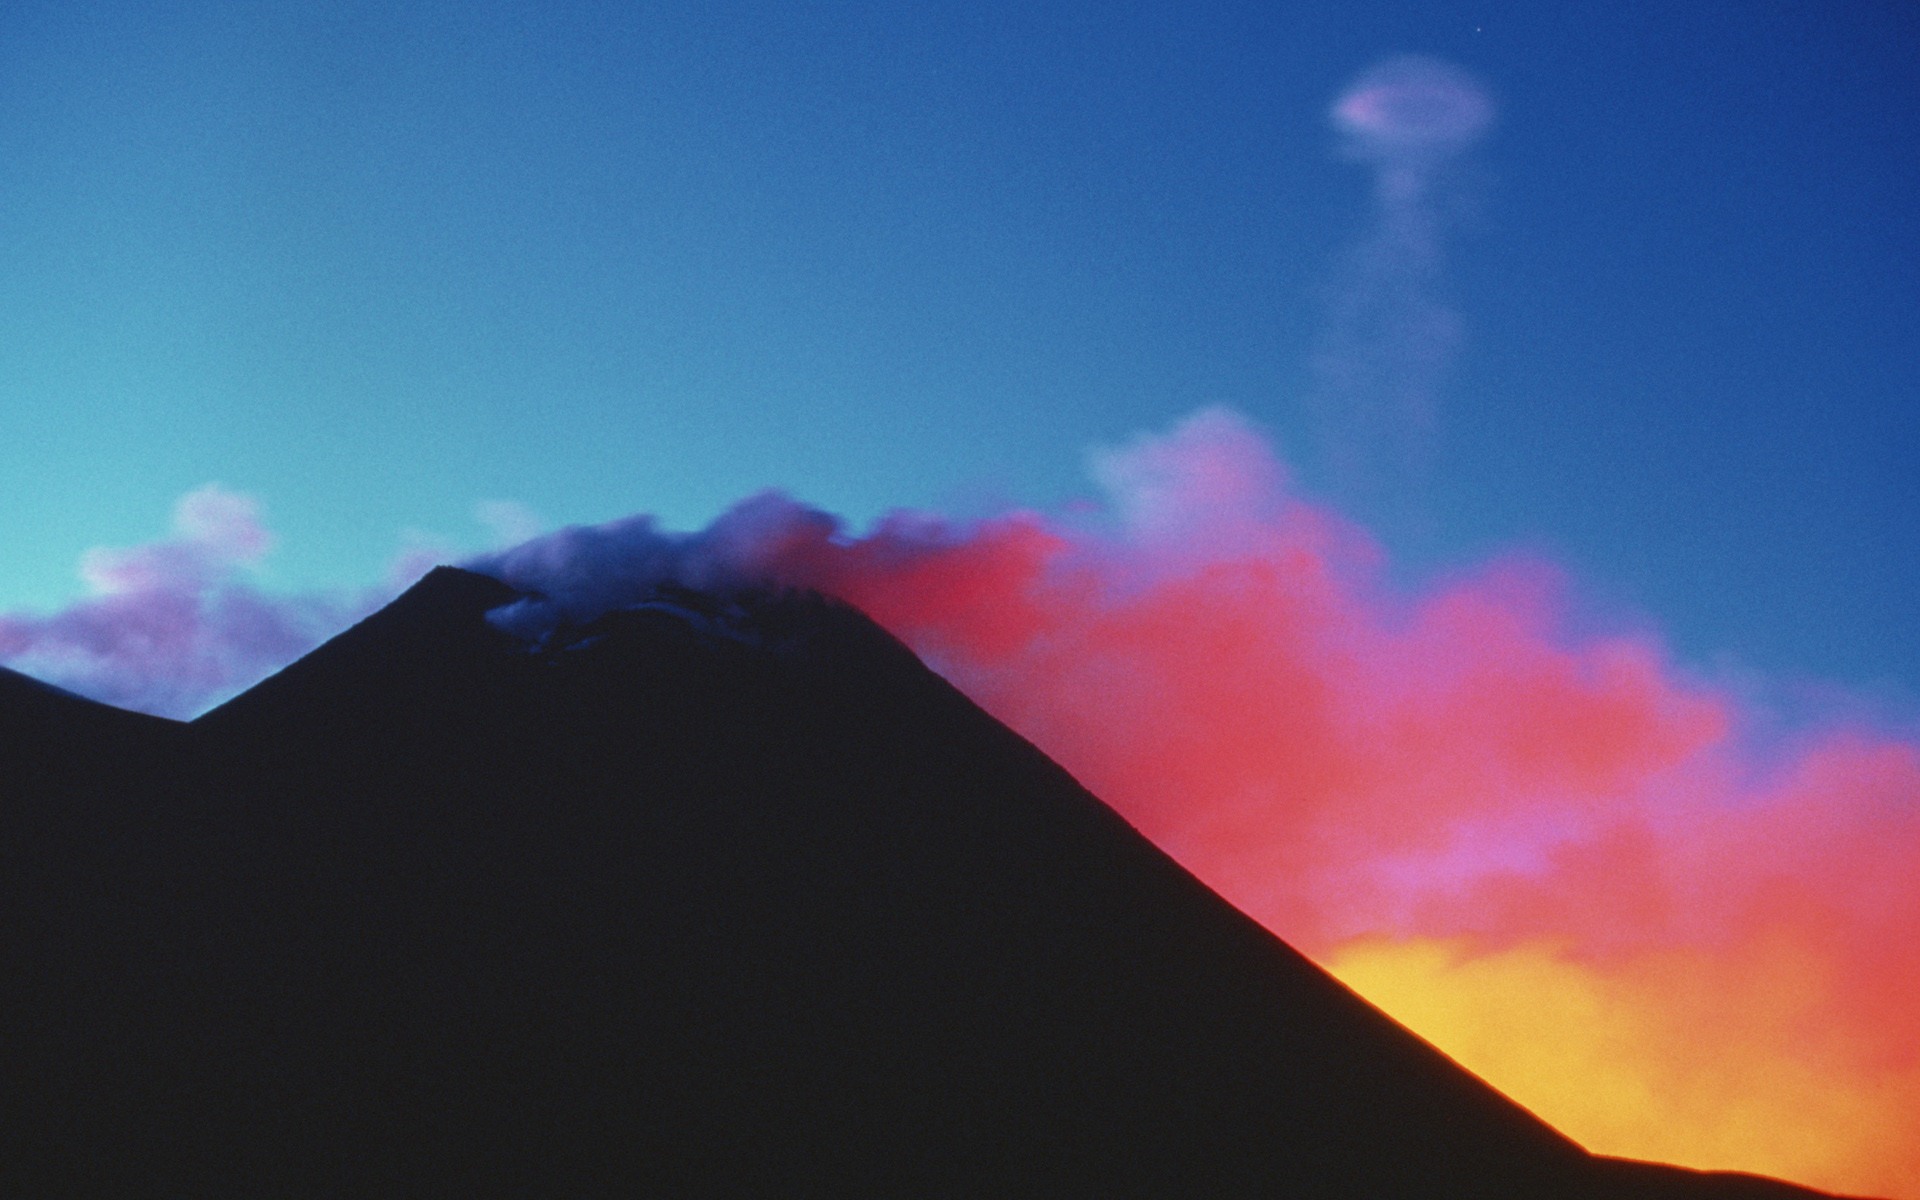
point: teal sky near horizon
(377, 266)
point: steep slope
(707, 898)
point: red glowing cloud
(1552, 855)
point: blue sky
(375, 267)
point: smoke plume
(1389, 337)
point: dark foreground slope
(665, 908)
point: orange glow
(1672, 1058)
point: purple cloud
(172, 626)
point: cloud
(1407, 116)
(510, 521)
(173, 626)
(215, 533)
(1389, 337)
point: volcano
(715, 895)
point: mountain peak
(454, 589)
(708, 895)
(432, 633)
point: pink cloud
(173, 626)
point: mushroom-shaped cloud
(1412, 111)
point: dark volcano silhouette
(708, 897)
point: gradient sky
(376, 265)
(1595, 323)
